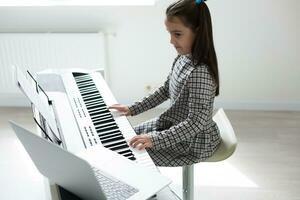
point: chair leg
(188, 182)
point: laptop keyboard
(113, 188)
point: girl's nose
(172, 41)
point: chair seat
(225, 150)
(228, 138)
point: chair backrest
(228, 138)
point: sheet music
(41, 105)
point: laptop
(96, 173)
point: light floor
(266, 165)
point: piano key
(96, 122)
(88, 89)
(95, 108)
(104, 124)
(107, 128)
(108, 116)
(112, 138)
(101, 115)
(94, 103)
(105, 133)
(120, 147)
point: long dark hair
(197, 17)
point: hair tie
(199, 1)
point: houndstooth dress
(185, 133)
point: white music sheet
(40, 104)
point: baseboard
(259, 105)
(255, 105)
(19, 100)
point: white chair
(224, 151)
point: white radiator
(38, 51)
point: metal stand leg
(188, 182)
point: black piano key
(106, 127)
(95, 104)
(112, 139)
(82, 81)
(90, 93)
(96, 108)
(98, 125)
(89, 98)
(77, 74)
(100, 108)
(101, 116)
(125, 151)
(110, 132)
(103, 121)
(86, 85)
(88, 89)
(132, 158)
(99, 112)
(92, 102)
(124, 146)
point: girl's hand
(141, 142)
(123, 109)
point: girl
(185, 133)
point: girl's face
(182, 37)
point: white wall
(256, 45)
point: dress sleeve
(201, 89)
